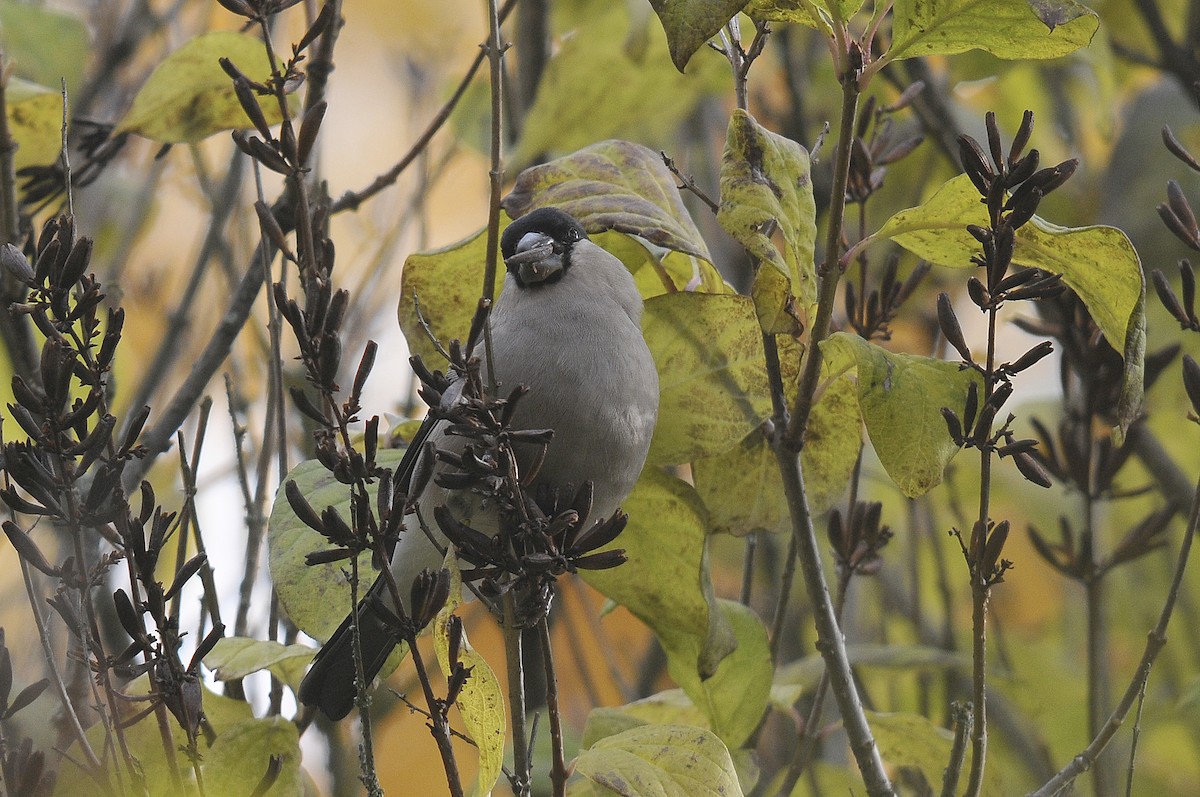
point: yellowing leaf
(1099, 263)
(910, 740)
(742, 487)
(35, 121)
(481, 700)
(315, 598)
(1004, 28)
(810, 13)
(708, 350)
(669, 707)
(766, 189)
(44, 46)
(661, 761)
(691, 23)
(735, 696)
(666, 581)
(448, 283)
(238, 758)
(621, 65)
(612, 185)
(237, 657)
(657, 271)
(189, 97)
(901, 397)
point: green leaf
(237, 657)
(804, 674)
(231, 720)
(657, 271)
(661, 761)
(691, 23)
(766, 189)
(666, 582)
(612, 185)
(239, 757)
(735, 696)
(831, 442)
(316, 598)
(189, 97)
(35, 121)
(812, 14)
(742, 487)
(901, 397)
(712, 382)
(480, 702)
(911, 740)
(1099, 263)
(44, 46)
(448, 283)
(622, 66)
(669, 707)
(1005, 28)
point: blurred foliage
(616, 73)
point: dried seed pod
(906, 97)
(1023, 169)
(975, 164)
(1183, 210)
(953, 425)
(15, 263)
(1021, 138)
(604, 560)
(316, 29)
(979, 294)
(327, 556)
(334, 527)
(247, 99)
(1062, 172)
(239, 7)
(287, 144)
(28, 550)
(1191, 382)
(302, 508)
(1177, 227)
(972, 405)
(310, 126)
(185, 573)
(1016, 447)
(1178, 150)
(365, 364)
(993, 134)
(950, 327)
(1032, 469)
(1187, 281)
(1029, 358)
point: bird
(567, 326)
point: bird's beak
(535, 260)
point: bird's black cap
(560, 226)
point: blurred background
(175, 230)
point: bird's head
(537, 247)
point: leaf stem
(516, 697)
(558, 766)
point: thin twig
(558, 766)
(687, 182)
(352, 199)
(1155, 641)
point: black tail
(329, 684)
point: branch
(1155, 641)
(352, 199)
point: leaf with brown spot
(766, 190)
(612, 185)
